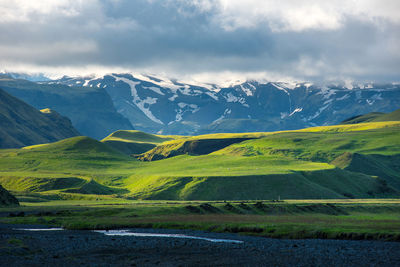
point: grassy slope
(180, 146)
(393, 116)
(135, 142)
(68, 164)
(290, 164)
(255, 163)
(324, 143)
(374, 117)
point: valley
(327, 182)
(200, 133)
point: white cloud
(204, 40)
(299, 15)
(25, 10)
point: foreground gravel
(87, 248)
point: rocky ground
(87, 248)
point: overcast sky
(203, 39)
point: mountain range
(100, 105)
(167, 106)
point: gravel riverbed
(88, 248)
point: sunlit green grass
(347, 219)
(320, 146)
(291, 164)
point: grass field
(376, 219)
(342, 161)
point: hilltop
(134, 142)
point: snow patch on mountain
(295, 111)
(373, 99)
(326, 92)
(212, 95)
(247, 90)
(154, 89)
(226, 112)
(233, 99)
(280, 88)
(159, 82)
(308, 85)
(288, 85)
(346, 96)
(87, 81)
(183, 108)
(285, 114)
(143, 105)
(172, 98)
(320, 110)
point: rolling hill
(23, 125)
(134, 142)
(68, 166)
(340, 161)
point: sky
(204, 40)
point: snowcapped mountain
(167, 106)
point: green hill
(311, 142)
(341, 161)
(328, 183)
(374, 117)
(134, 142)
(92, 187)
(191, 146)
(386, 167)
(393, 116)
(22, 125)
(67, 164)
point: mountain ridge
(165, 106)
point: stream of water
(127, 233)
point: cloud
(295, 15)
(204, 39)
(27, 11)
